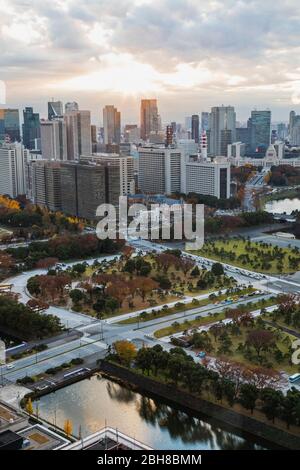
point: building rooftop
(39, 437)
(107, 439)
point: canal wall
(246, 424)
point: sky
(189, 54)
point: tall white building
(54, 139)
(210, 178)
(13, 160)
(160, 170)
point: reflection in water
(95, 402)
(283, 205)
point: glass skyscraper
(10, 125)
(260, 131)
(31, 128)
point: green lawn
(254, 256)
(237, 356)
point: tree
(126, 351)
(29, 406)
(68, 427)
(46, 263)
(163, 281)
(79, 268)
(217, 269)
(260, 340)
(76, 295)
(195, 272)
(248, 396)
(144, 359)
(271, 402)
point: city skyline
(189, 55)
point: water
(96, 402)
(284, 205)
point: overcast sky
(190, 54)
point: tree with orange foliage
(10, 204)
(126, 351)
(144, 285)
(6, 261)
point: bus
(294, 378)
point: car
(10, 366)
(201, 354)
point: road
(97, 334)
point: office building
(9, 125)
(93, 134)
(187, 147)
(282, 131)
(45, 186)
(13, 160)
(236, 150)
(125, 164)
(222, 129)
(195, 128)
(84, 187)
(54, 139)
(31, 129)
(150, 120)
(208, 178)
(78, 127)
(71, 106)
(112, 125)
(204, 121)
(292, 119)
(243, 135)
(132, 133)
(160, 170)
(260, 131)
(169, 136)
(55, 110)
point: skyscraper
(169, 135)
(13, 159)
(204, 121)
(55, 109)
(195, 128)
(221, 118)
(31, 128)
(150, 120)
(78, 126)
(260, 130)
(54, 139)
(10, 125)
(71, 106)
(112, 125)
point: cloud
(158, 46)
